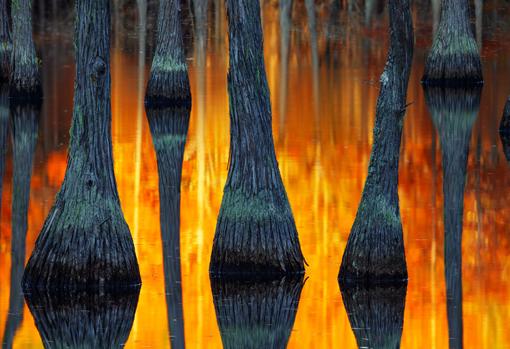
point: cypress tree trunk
(25, 75)
(83, 320)
(375, 248)
(285, 23)
(169, 128)
(255, 314)
(5, 43)
(376, 314)
(504, 126)
(25, 122)
(454, 112)
(85, 241)
(255, 232)
(169, 82)
(454, 59)
(4, 133)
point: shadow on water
(25, 124)
(169, 128)
(454, 112)
(256, 313)
(376, 314)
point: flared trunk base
(168, 89)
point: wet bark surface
(85, 241)
(376, 314)
(454, 58)
(4, 132)
(83, 320)
(255, 314)
(169, 129)
(5, 43)
(255, 232)
(25, 123)
(25, 78)
(169, 83)
(375, 248)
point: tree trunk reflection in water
(169, 128)
(255, 314)
(4, 133)
(454, 112)
(375, 248)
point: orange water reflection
(323, 141)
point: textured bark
(454, 112)
(255, 314)
(255, 232)
(169, 128)
(83, 320)
(454, 59)
(376, 315)
(169, 83)
(25, 78)
(85, 241)
(5, 43)
(25, 121)
(375, 248)
(4, 133)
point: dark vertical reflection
(255, 314)
(25, 123)
(504, 130)
(4, 132)
(169, 128)
(453, 112)
(285, 23)
(376, 314)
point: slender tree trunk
(169, 82)
(436, 15)
(85, 241)
(5, 43)
(25, 122)
(256, 314)
(4, 133)
(376, 314)
(169, 128)
(375, 248)
(83, 320)
(285, 23)
(255, 232)
(454, 59)
(25, 78)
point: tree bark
(255, 232)
(4, 132)
(25, 81)
(169, 82)
(5, 43)
(256, 314)
(376, 314)
(454, 59)
(375, 248)
(85, 241)
(169, 128)
(83, 320)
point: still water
(323, 68)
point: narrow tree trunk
(255, 232)
(375, 248)
(169, 82)
(169, 128)
(256, 314)
(454, 59)
(25, 121)
(85, 241)
(83, 320)
(5, 43)
(25, 75)
(4, 133)
(285, 23)
(376, 314)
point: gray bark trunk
(4, 132)
(5, 43)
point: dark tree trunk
(169, 128)
(25, 121)
(5, 43)
(375, 248)
(83, 320)
(4, 133)
(25, 75)
(454, 59)
(169, 82)
(85, 241)
(255, 314)
(376, 314)
(454, 112)
(255, 232)
(504, 126)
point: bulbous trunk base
(168, 88)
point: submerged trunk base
(26, 91)
(168, 89)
